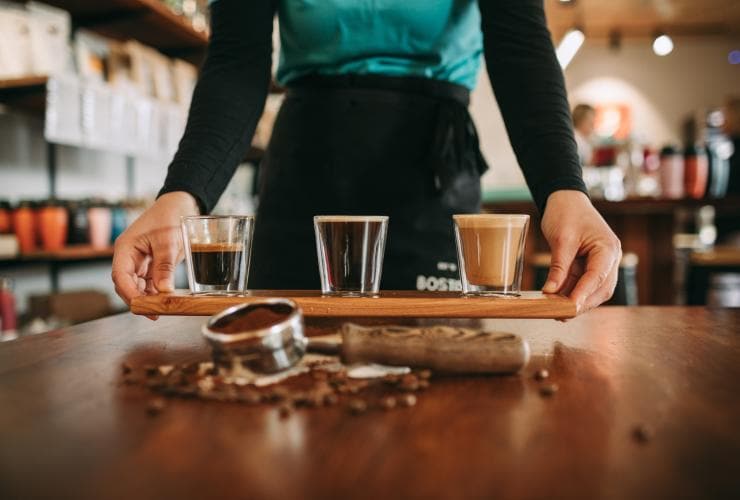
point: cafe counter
(635, 403)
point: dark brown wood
(389, 304)
(70, 429)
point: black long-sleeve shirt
(233, 85)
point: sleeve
(228, 100)
(530, 90)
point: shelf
(28, 93)
(148, 21)
(69, 255)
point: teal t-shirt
(438, 39)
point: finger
(605, 292)
(166, 253)
(574, 274)
(123, 272)
(564, 250)
(599, 264)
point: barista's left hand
(585, 251)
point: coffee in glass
(490, 251)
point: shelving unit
(80, 254)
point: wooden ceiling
(642, 18)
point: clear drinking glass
(490, 251)
(350, 250)
(217, 252)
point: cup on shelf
(490, 251)
(350, 249)
(53, 219)
(6, 217)
(118, 221)
(79, 223)
(24, 225)
(100, 224)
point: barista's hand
(147, 253)
(585, 251)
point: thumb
(563, 253)
(165, 257)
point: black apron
(368, 145)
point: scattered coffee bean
(357, 406)
(126, 369)
(408, 400)
(156, 406)
(548, 390)
(165, 370)
(285, 411)
(423, 384)
(641, 433)
(151, 371)
(425, 374)
(388, 403)
(541, 374)
(391, 379)
(331, 399)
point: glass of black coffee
(350, 250)
(217, 252)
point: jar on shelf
(53, 222)
(100, 220)
(118, 221)
(671, 173)
(6, 217)
(24, 226)
(79, 225)
(8, 314)
(696, 171)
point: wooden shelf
(28, 93)
(72, 254)
(149, 21)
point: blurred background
(94, 97)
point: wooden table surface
(70, 429)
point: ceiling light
(569, 46)
(662, 45)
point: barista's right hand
(147, 253)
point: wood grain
(391, 304)
(69, 428)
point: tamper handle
(440, 348)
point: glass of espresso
(350, 250)
(217, 252)
(490, 251)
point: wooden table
(69, 429)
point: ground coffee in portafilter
(254, 318)
(216, 263)
(490, 250)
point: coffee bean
(425, 374)
(388, 403)
(151, 370)
(541, 374)
(408, 400)
(641, 433)
(165, 370)
(126, 369)
(392, 379)
(357, 406)
(189, 368)
(156, 406)
(548, 390)
(331, 399)
(285, 411)
(423, 384)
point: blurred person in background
(584, 125)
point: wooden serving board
(390, 304)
